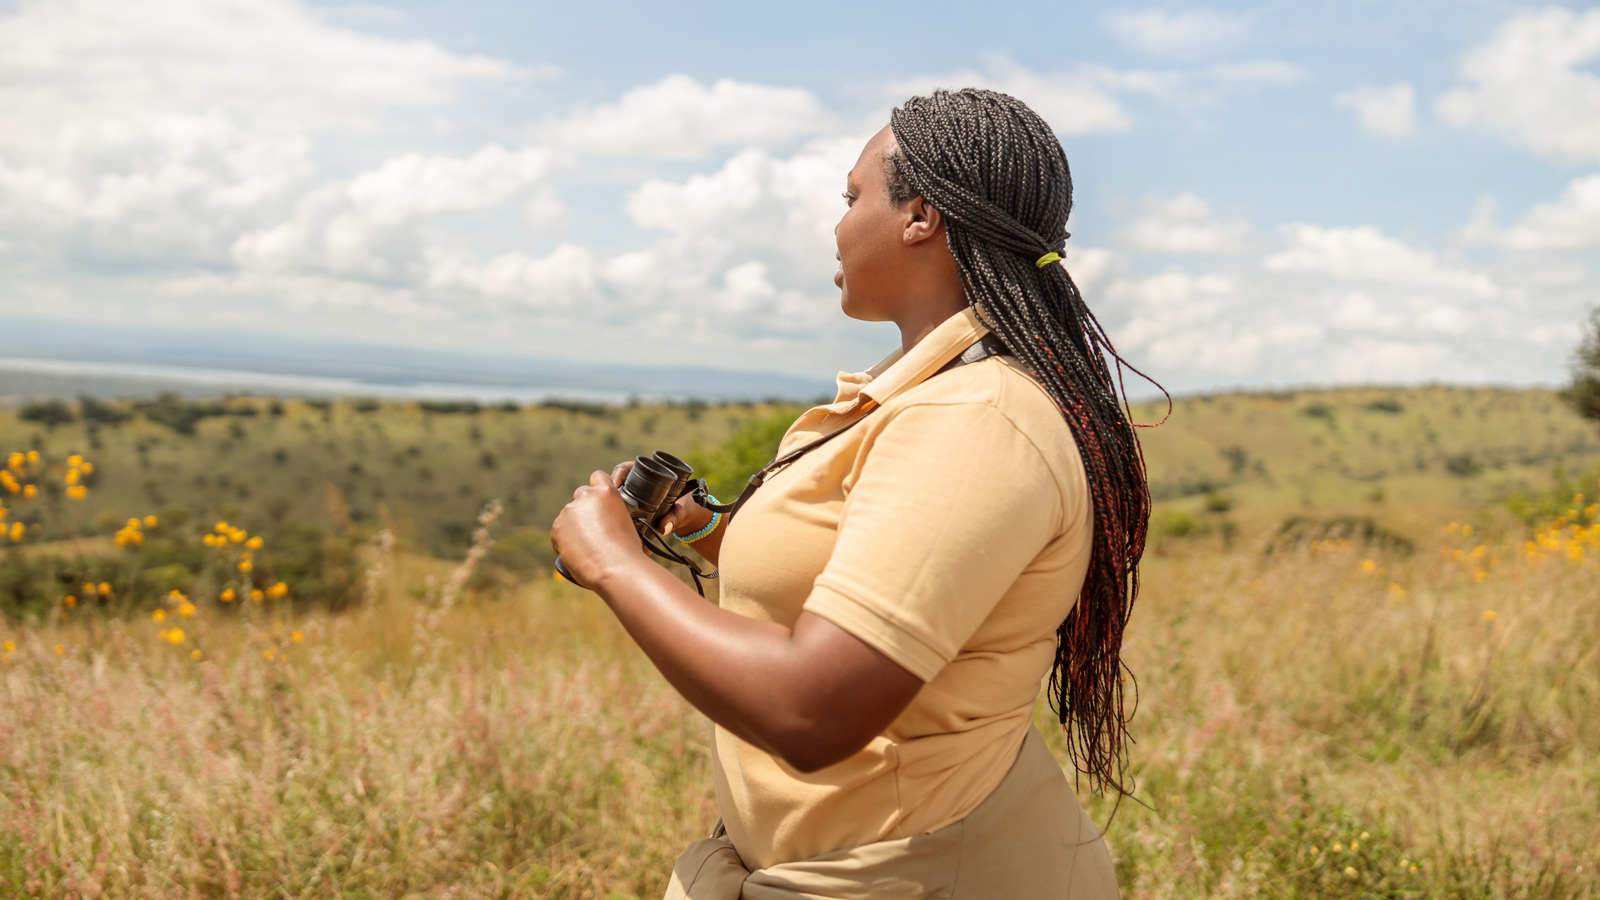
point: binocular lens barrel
(647, 488)
(681, 471)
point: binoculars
(654, 484)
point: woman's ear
(922, 221)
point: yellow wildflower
(1480, 574)
(1368, 566)
(17, 529)
(1466, 531)
(278, 591)
(88, 587)
(87, 468)
(238, 535)
(269, 654)
(254, 543)
(222, 527)
(297, 637)
(15, 460)
(1396, 591)
(1351, 873)
(245, 566)
(175, 636)
(59, 649)
(151, 521)
(1365, 835)
(103, 589)
(77, 492)
(33, 456)
(8, 646)
(30, 491)
(257, 595)
(228, 595)
(159, 615)
(70, 601)
(1354, 846)
(74, 460)
(186, 610)
(1490, 615)
(195, 654)
(73, 475)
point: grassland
(1330, 711)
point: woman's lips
(838, 278)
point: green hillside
(427, 469)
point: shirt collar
(900, 370)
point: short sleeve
(952, 503)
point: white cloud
(1175, 34)
(1365, 254)
(566, 277)
(158, 133)
(366, 227)
(1384, 111)
(1341, 305)
(1571, 222)
(1182, 225)
(269, 64)
(680, 118)
(1071, 102)
(1188, 88)
(1526, 84)
(171, 185)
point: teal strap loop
(716, 519)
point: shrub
(1296, 531)
(1583, 392)
(48, 413)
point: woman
(892, 599)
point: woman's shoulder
(998, 382)
(994, 393)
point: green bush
(729, 466)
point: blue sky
(1308, 192)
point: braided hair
(996, 172)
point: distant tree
(48, 413)
(1583, 393)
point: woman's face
(870, 237)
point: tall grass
(1318, 722)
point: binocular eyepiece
(652, 486)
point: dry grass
(1306, 731)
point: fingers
(598, 478)
(683, 514)
(621, 471)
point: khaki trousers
(1029, 840)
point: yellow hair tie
(1047, 259)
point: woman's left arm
(812, 695)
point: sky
(1313, 192)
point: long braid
(999, 176)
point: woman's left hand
(594, 534)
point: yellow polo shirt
(951, 531)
